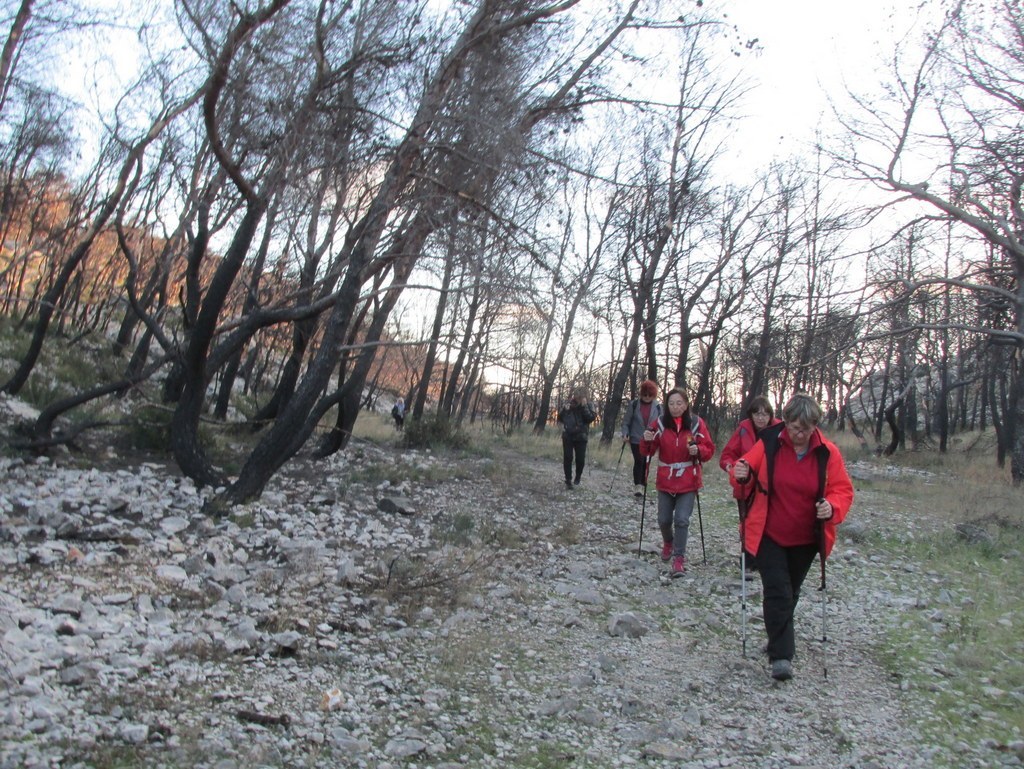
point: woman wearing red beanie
(640, 413)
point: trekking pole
(617, 466)
(643, 509)
(742, 504)
(700, 522)
(700, 518)
(824, 593)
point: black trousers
(783, 570)
(573, 449)
(639, 465)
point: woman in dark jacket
(575, 418)
(681, 441)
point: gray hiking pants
(675, 510)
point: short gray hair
(803, 409)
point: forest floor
(394, 608)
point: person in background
(681, 441)
(641, 412)
(575, 417)
(759, 415)
(792, 516)
(398, 413)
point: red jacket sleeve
(838, 486)
(705, 446)
(650, 448)
(755, 458)
(732, 449)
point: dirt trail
(505, 621)
(683, 690)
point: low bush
(434, 431)
(150, 429)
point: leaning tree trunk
(896, 425)
(230, 370)
(847, 413)
(897, 433)
(185, 443)
(1016, 434)
(52, 298)
(428, 364)
(550, 376)
(406, 252)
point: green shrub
(150, 429)
(434, 431)
(457, 529)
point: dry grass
(376, 428)
(971, 631)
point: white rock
(171, 573)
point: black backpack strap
(823, 457)
(770, 438)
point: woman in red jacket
(801, 492)
(681, 441)
(760, 415)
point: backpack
(572, 422)
(633, 409)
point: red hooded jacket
(678, 472)
(742, 441)
(796, 522)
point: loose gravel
(475, 614)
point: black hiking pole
(643, 509)
(617, 466)
(824, 592)
(700, 518)
(700, 522)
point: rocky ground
(477, 614)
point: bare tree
(573, 276)
(970, 81)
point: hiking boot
(678, 566)
(782, 670)
(638, 490)
(666, 550)
(576, 482)
(568, 484)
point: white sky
(811, 49)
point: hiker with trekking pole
(641, 412)
(797, 490)
(681, 441)
(759, 415)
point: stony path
(492, 620)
